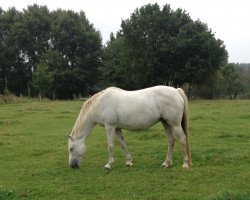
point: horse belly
(136, 126)
(138, 118)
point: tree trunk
(235, 94)
(190, 87)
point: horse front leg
(110, 132)
(124, 148)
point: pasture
(34, 157)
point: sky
(229, 20)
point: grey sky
(228, 19)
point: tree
(21, 45)
(35, 36)
(80, 45)
(43, 80)
(11, 63)
(162, 46)
(244, 69)
(115, 69)
(232, 81)
(34, 33)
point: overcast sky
(228, 19)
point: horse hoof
(129, 164)
(107, 167)
(165, 166)
(185, 166)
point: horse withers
(117, 109)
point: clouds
(228, 19)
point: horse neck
(83, 125)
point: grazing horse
(117, 109)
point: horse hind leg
(171, 140)
(124, 148)
(178, 131)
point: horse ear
(70, 137)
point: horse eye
(71, 149)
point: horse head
(77, 149)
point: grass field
(34, 157)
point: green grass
(34, 157)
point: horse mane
(86, 109)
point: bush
(11, 98)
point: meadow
(34, 156)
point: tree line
(55, 52)
(231, 80)
(60, 53)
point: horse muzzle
(74, 164)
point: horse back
(140, 109)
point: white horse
(117, 109)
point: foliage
(154, 46)
(80, 44)
(34, 157)
(210, 89)
(161, 46)
(35, 37)
(114, 69)
(244, 69)
(232, 81)
(8, 98)
(42, 80)
(12, 68)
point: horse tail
(184, 122)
